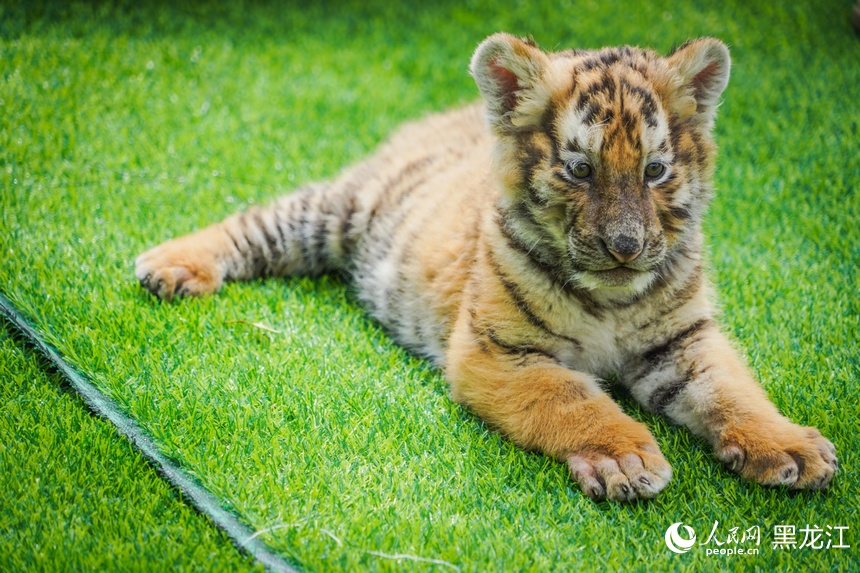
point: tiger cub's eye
(654, 170)
(579, 170)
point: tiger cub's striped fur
(532, 245)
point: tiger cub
(533, 245)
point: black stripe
(649, 107)
(684, 157)
(615, 131)
(590, 64)
(679, 297)
(396, 207)
(302, 222)
(664, 395)
(257, 259)
(657, 353)
(641, 67)
(529, 157)
(347, 243)
(279, 227)
(671, 184)
(696, 369)
(552, 268)
(294, 233)
(522, 352)
(320, 238)
(573, 147)
(531, 252)
(649, 114)
(235, 243)
(555, 266)
(633, 139)
(479, 334)
(701, 156)
(680, 212)
(398, 287)
(396, 217)
(628, 120)
(605, 86)
(321, 243)
(588, 303)
(548, 123)
(608, 116)
(565, 183)
(245, 260)
(583, 100)
(271, 241)
(591, 113)
(390, 186)
(569, 53)
(535, 198)
(517, 297)
(607, 59)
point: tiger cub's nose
(624, 248)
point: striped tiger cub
(532, 245)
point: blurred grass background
(124, 125)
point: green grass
(123, 126)
(77, 497)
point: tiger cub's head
(605, 157)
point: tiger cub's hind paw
(176, 269)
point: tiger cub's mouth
(618, 276)
(617, 279)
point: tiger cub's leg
(543, 406)
(698, 380)
(301, 233)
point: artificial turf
(75, 497)
(124, 125)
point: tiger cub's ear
(702, 71)
(510, 74)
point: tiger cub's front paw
(639, 472)
(179, 268)
(779, 453)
